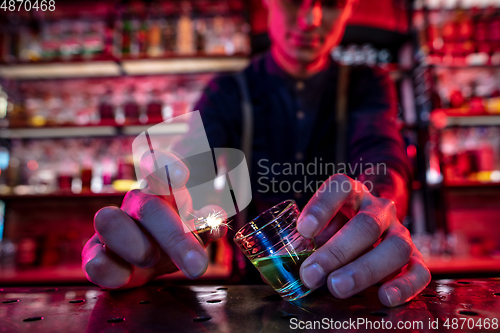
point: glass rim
(290, 203)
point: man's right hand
(145, 237)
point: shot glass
(275, 247)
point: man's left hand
(364, 243)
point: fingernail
(393, 295)
(313, 276)
(342, 284)
(195, 264)
(176, 173)
(308, 226)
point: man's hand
(364, 243)
(145, 237)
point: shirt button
(300, 115)
(297, 195)
(299, 156)
(300, 85)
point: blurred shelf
(460, 265)
(74, 274)
(470, 183)
(184, 65)
(60, 70)
(97, 130)
(112, 68)
(472, 61)
(454, 118)
(156, 129)
(58, 132)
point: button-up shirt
(293, 148)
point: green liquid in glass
(283, 273)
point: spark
(213, 221)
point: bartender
(293, 94)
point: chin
(305, 55)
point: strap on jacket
(341, 114)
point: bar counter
(242, 308)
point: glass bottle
(155, 47)
(106, 107)
(130, 106)
(185, 32)
(154, 107)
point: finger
(331, 229)
(409, 283)
(164, 224)
(133, 202)
(391, 254)
(362, 231)
(163, 172)
(167, 174)
(326, 203)
(124, 237)
(102, 268)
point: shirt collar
(314, 81)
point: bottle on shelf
(71, 40)
(106, 107)
(31, 50)
(50, 44)
(86, 172)
(170, 36)
(142, 40)
(130, 106)
(67, 172)
(94, 39)
(200, 35)
(185, 43)
(167, 111)
(108, 171)
(240, 39)
(154, 38)
(154, 107)
(129, 43)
